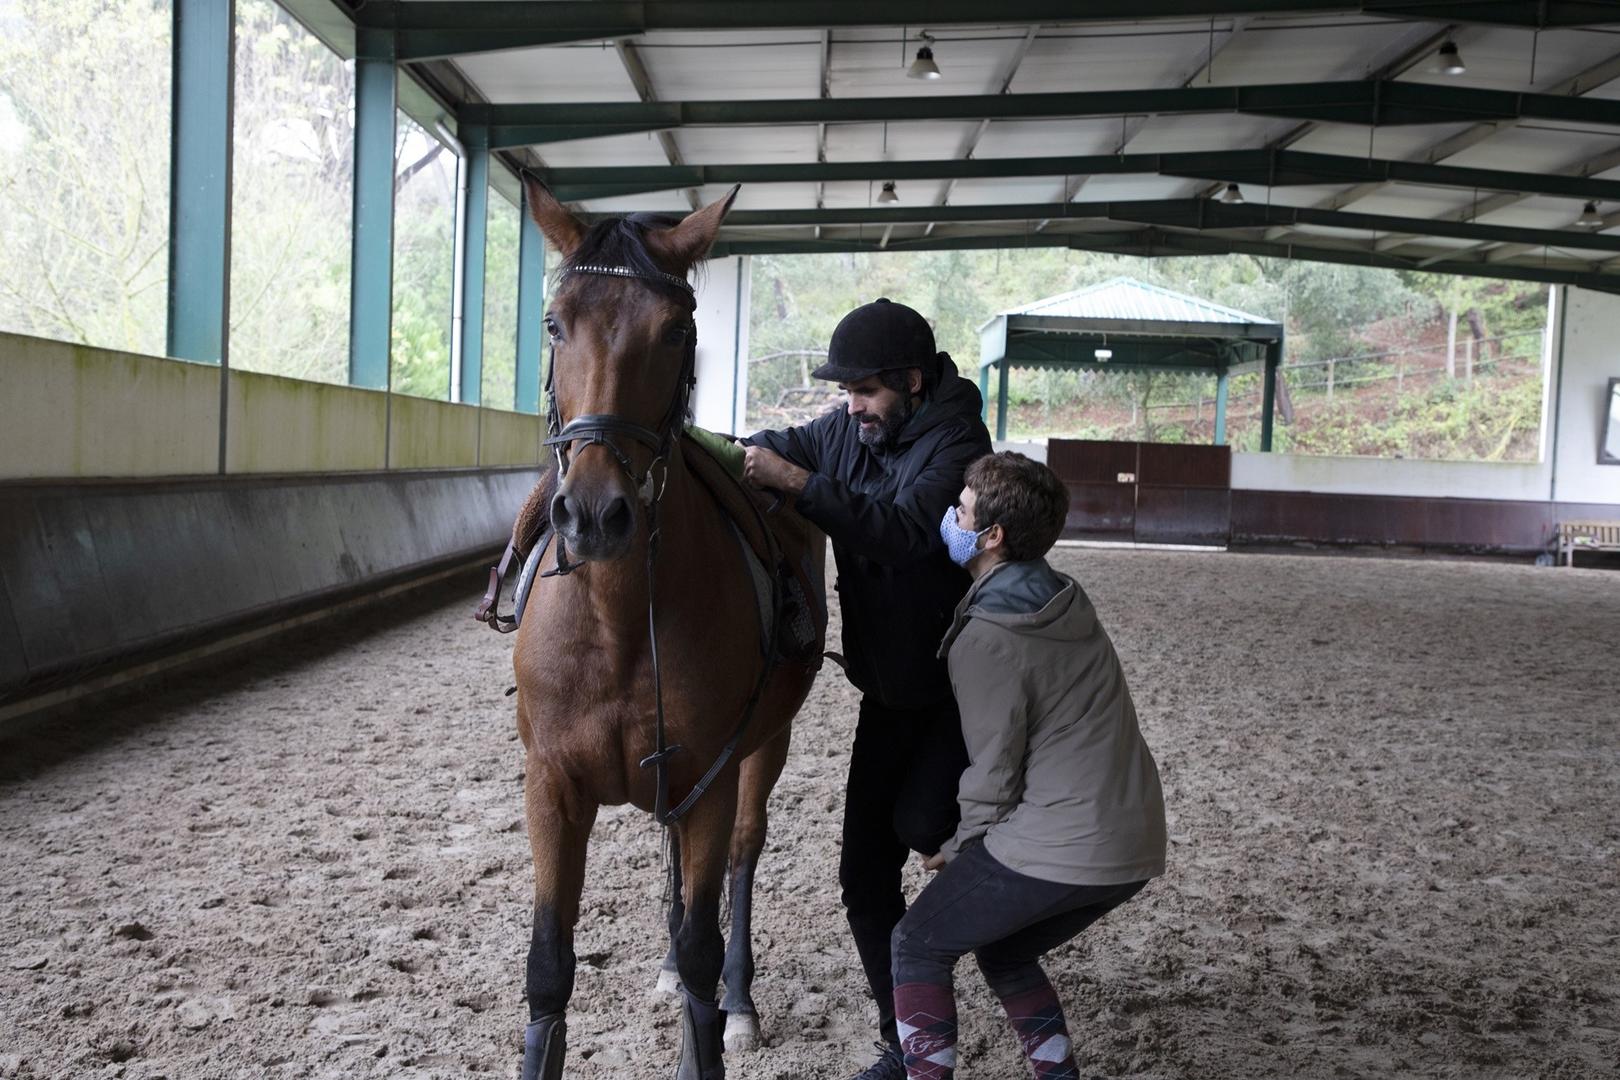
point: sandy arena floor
(1395, 812)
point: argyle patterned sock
(1037, 1020)
(926, 1016)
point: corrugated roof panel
(1127, 298)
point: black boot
(544, 1042)
(703, 1026)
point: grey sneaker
(889, 1065)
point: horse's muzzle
(596, 529)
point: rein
(607, 430)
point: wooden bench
(1588, 535)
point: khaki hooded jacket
(1061, 786)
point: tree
(291, 199)
(84, 171)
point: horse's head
(622, 348)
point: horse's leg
(559, 829)
(699, 950)
(759, 775)
(669, 979)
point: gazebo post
(984, 392)
(1001, 399)
(1269, 400)
(1221, 380)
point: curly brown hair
(1024, 497)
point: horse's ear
(561, 228)
(683, 245)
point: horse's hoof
(742, 1033)
(669, 982)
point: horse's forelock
(623, 242)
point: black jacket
(881, 509)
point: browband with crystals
(625, 271)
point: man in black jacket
(877, 477)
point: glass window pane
(424, 258)
(500, 302)
(292, 199)
(84, 171)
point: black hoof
(544, 1042)
(702, 1040)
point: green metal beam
(432, 28)
(1367, 101)
(1001, 400)
(1040, 325)
(474, 237)
(1079, 355)
(372, 276)
(200, 180)
(1266, 168)
(1190, 213)
(1268, 396)
(1154, 243)
(1222, 383)
(531, 302)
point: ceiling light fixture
(1103, 355)
(888, 194)
(1451, 61)
(1233, 195)
(924, 67)
(1590, 218)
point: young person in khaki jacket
(1062, 814)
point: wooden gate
(1150, 493)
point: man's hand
(767, 469)
(934, 863)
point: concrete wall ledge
(98, 574)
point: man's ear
(992, 537)
(916, 381)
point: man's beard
(882, 435)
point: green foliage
(292, 199)
(500, 303)
(1328, 310)
(84, 170)
(424, 262)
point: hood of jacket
(953, 398)
(1028, 598)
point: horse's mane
(622, 241)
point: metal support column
(200, 180)
(371, 294)
(1001, 398)
(1268, 405)
(1222, 378)
(531, 302)
(984, 393)
(475, 141)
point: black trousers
(901, 797)
(1006, 919)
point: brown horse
(648, 555)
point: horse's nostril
(617, 519)
(562, 512)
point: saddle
(784, 554)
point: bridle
(604, 430)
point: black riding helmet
(880, 336)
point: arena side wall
(136, 522)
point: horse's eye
(676, 336)
(553, 331)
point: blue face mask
(960, 544)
